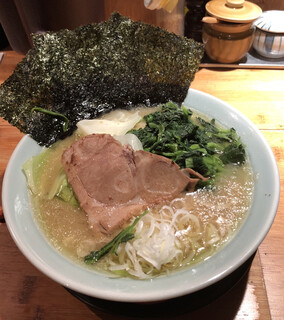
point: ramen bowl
(33, 244)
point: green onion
(54, 114)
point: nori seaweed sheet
(94, 69)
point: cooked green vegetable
(233, 153)
(94, 69)
(124, 236)
(65, 192)
(54, 114)
(35, 167)
(191, 143)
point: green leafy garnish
(54, 114)
(233, 153)
(124, 236)
(190, 142)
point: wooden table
(25, 293)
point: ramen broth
(204, 221)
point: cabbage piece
(65, 192)
(35, 168)
(113, 127)
(131, 140)
(94, 69)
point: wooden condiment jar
(228, 30)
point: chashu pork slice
(114, 183)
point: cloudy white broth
(174, 234)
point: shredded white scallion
(161, 242)
(173, 235)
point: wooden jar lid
(239, 11)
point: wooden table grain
(25, 293)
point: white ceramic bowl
(40, 253)
(269, 34)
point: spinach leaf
(190, 142)
(124, 236)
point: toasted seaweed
(94, 69)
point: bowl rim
(24, 229)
